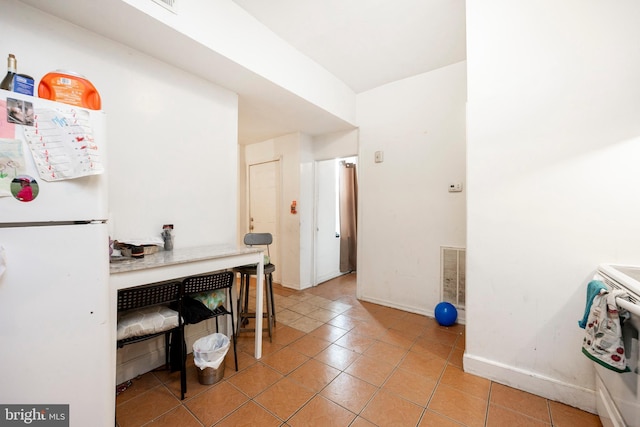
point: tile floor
(336, 361)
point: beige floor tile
(468, 383)
(349, 392)
(285, 360)
(404, 413)
(319, 301)
(432, 419)
(164, 375)
(306, 324)
(314, 375)
(286, 316)
(423, 364)
(355, 342)
(193, 385)
(361, 422)
(520, 401)
(397, 338)
(360, 312)
(414, 388)
(321, 412)
(322, 315)
(499, 416)
(338, 307)
(337, 356)
(456, 357)
(138, 385)
(440, 336)
(310, 345)
(301, 296)
(246, 343)
(284, 398)
(255, 379)
(461, 342)
(303, 308)
(419, 320)
(248, 415)
(410, 326)
(386, 352)
(345, 322)
(177, 417)
(567, 416)
(372, 329)
(434, 348)
(146, 407)
(244, 361)
(281, 302)
(370, 369)
(328, 332)
(216, 403)
(459, 406)
(285, 335)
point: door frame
(278, 213)
(314, 265)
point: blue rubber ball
(446, 314)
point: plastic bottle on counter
(12, 68)
(167, 235)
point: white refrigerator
(56, 346)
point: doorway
(330, 239)
(264, 214)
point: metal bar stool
(246, 271)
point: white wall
(172, 146)
(335, 145)
(171, 136)
(405, 211)
(305, 217)
(553, 148)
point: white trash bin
(208, 356)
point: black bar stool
(246, 271)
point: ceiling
(365, 43)
(368, 43)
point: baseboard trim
(411, 309)
(531, 382)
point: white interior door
(264, 194)
(327, 238)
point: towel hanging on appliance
(602, 342)
(593, 288)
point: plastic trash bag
(209, 351)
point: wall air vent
(171, 5)
(453, 275)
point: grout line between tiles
(360, 315)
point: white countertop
(184, 262)
(177, 256)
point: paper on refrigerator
(63, 145)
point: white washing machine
(618, 394)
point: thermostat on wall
(455, 187)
